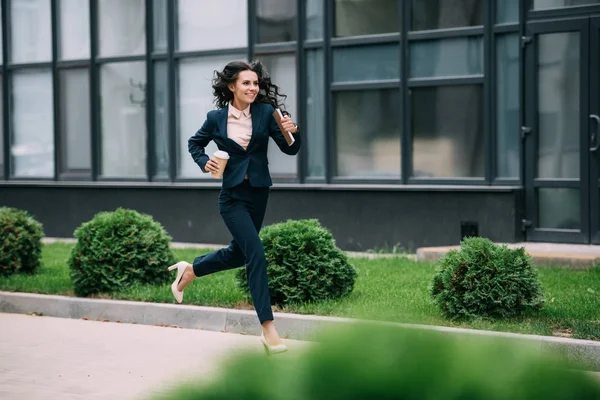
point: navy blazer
(252, 161)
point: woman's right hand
(212, 166)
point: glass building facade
(469, 103)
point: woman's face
(245, 88)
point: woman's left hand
(289, 125)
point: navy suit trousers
(243, 209)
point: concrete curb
(293, 326)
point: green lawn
(391, 289)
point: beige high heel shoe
(180, 266)
(269, 349)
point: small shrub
(118, 249)
(485, 280)
(393, 363)
(303, 263)
(21, 242)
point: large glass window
(160, 22)
(276, 20)
(447, 57)
(74, 29)
(545, 4)
(195, 99)
(1, 128)
(314, 19)
(161, 119)
(282, 69)
(367, 133)
(122, 27)
(559, 106)
(75, 120)
(356, 63)
(366, 17)
(447, 131)
(507, 106)
(123, 107)
(314, 132)
(30, 31)
(206, 25)
(445, 14)
(1, 40)
(507, 11)
(33, 127)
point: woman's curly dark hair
(268, 92)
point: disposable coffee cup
(221, 157)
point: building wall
(393, 94)
(409, 101)
(359, 218)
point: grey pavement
(55, 358)
(293, 326)
(556, 254)
(213, 246)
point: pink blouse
(239, 125)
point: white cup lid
(221, 154)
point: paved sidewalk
(212, 246)
(54, 358)
(557, 254)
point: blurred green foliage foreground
(391, 363)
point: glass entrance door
(594, 120)
(561, 170)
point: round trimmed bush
(20, 243)
(303, 263)
(485, 280)
(118, 249)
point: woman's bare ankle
(190, 270)
(187, 278)
(270, 333)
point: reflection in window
(282, 69)
(447, 131)
(194, 100)
(1, 128)
(30, 31)
(356, 63)
(446, 57)
(159, 16)
(314, 132)
(507, 106)
(161, 119)
(314, 19)
(368, 142)
(207, 25)
(74, 29)
(545, 4)
(123, 92)
(276, 21)
(75, 120)
(1, 50)
(444, 14)
(366, 17)
(507, 11)
(33, 124)
(559, 105)
(559, 208)
(122, 27)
